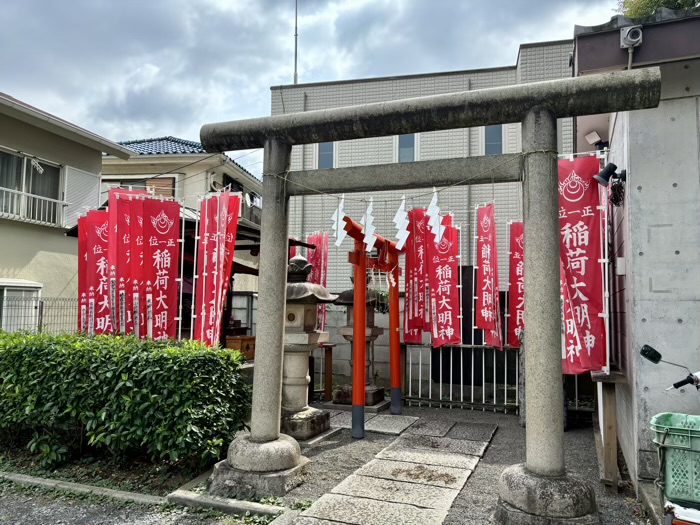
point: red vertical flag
(161, 256)
(138, 281)
(445, 308)
(516, 289)
(234, 206)
(210, 267)
(416, 278)
(488, 316)
(97, 273)
(82, 274)
(581, 254)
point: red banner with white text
(210, 267)
(136, 262)
(581, 254)
(516, 289)
(488, 316)
(416, 273)
(443, 278)
(318, 258)
(234, 206)
(97, 273)
(161, 257)
(82, 274)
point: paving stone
(361, 511)
(415, 473)
(425, 496)
(393, 425)
(437, 444)
(344, 420)
(427, 457)
(430, 427)
(472, 431)
(308, 520)
(334, 413)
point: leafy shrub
(169, 400)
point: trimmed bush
(169, 400)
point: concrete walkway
(413, 481)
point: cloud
(135, 69)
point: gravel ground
(22, 506)
(477, 499)
(332, 461)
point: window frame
(482, 139)
(58, 201)
(121, 179)
(317, 155)
(416, 147)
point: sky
(133, 69)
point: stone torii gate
(541, 490)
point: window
(326, 155)
(19, 305)
(407, 148)
(493, 140)
(30, 189)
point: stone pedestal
(528, 499)
(298, 419)
(373, 393)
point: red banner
(443, 280)
(82, 274)
(234, 206)
(581, 255)
(210, 267)
(416, 281)
(138, 281)
(161, 256)
(573, 360)
(99, 318)
(118, 254)
(488, 315)
(516, 288)
(318, 258)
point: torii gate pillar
(541, 491)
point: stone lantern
(374, 395)
(301, 337)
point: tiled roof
(164, 146)
(172, 146)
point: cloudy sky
(130, 69)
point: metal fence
(53, 315)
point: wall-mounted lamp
(609, 172)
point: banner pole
(182, 272)
(197, 234)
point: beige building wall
(31, 140)
(42, 254)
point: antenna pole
(296, 38)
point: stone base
(305, 424)
(343, 395)
(229, 482)
(528, 499)
(369, 409)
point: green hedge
(169, 400)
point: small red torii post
(388, 261)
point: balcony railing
(25, 207)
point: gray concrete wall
(663, 253)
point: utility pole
(296, 38)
